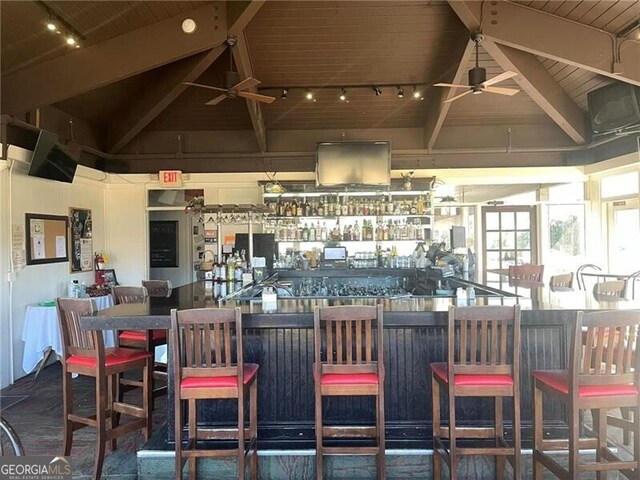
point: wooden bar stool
(528, 272)
(85, 354)
(563, 281)
(349, 361)
(611, 290)
(206, 366)
(145, 340)
(603, 376)
(483, 360)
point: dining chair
(157, 288)
(349, 361)
(483, 360)
(602, 377)
(562, 281)
(84, 354)
(526, 272)
(208, 364)
(610, 290)
(145, 340)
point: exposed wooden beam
(553, 37)
(243, 63)
(437, 109)
(115, 59)
(158, 97)
(542, 88)
(240, 13)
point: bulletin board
(46, 238)
(80, 240)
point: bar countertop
(401, 311)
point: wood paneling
(25, 39)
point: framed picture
(109, 277)
(80, 240)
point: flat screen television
(353, 163)
(614, 107)
(51, 160)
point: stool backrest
(564, 280)
(610, 290)
(125, 294)
(157, 288)
(203, 343)
(532, 273)
(351, 341)
(86, 343)
(609, 338)
(484, 340)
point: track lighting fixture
(400, 92)
(343, 95)
(417, 94)
(377, 91)
(55, 24)
(417, 91)
(285, 92)
(309, 95)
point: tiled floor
(35, 411)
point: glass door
(624, 236)
(509, 239)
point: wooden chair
(84, 353)
(157, 288)
(206, 367)
(349, 361)
(562, 281)
(610, 290)
(483, 360)
(145, 340)
(600, 378)
(527, 272)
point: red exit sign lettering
(170, 178)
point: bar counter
(280, 340)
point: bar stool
(611, 290)
(561, 281)
(349, 361)
(157, 288)
(85, 354)
(204, 368)
(483, 360)
(601, 377)
(528, 272)
(145, 340)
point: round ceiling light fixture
(189, 25)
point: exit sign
(170, 178)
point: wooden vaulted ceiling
(124, 85)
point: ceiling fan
(478, 82)
(233, 86)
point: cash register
(334, 257)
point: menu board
(163, 243)
(81, 240)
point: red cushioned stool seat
(250, 370)
(113, 356)
(559, 380)
(140, 335)
(461, 380)
(349, 379)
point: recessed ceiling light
(189, 25)
(52, 26)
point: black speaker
(614, 107)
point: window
(620, 185)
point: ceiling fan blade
(246, 84)
(210, 87)
(450, 85)
(458, 96)
(501, 90)
(257, 97)
(217, 100)
(499, 78)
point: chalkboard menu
(163, 243)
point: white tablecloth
(41, 330)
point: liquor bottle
(312, 233)
(320, 209)
(231, 266)
(294, 208)
(305, 233)
(420, 206)
(307, 208)
(280, 208)
(357, 232)
(288, 212)
(413, 210)
(344, 208)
